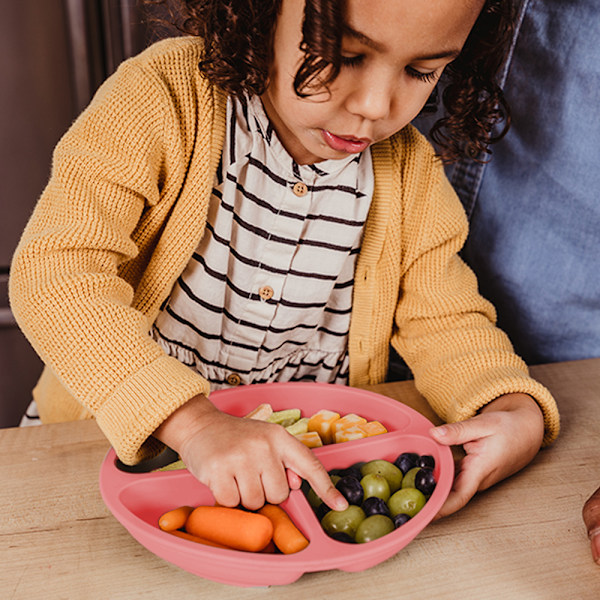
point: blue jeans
(534, 209)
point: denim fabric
(534, 208)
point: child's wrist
(186, 422)
(514, 401)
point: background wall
(53, 56)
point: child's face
(393, 52)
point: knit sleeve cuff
(134, 411)
(505, 380)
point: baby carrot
(232, 527)
(175, 519)
(269, 548)
(287, 537)
(194, 538)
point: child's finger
(458, 498)
(275, 484)
(307, 466)
(327, 492)
(454, 434)
(294, 480)
(466, 485)
(250, 486)
(226, 493)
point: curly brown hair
(238, 37)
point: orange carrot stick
(175, 519)
(269, 548)
(194, 538)
(230, 526)
(287, 537)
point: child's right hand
(243, 461)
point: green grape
(376, 486)
(408, 501)
(343, 521)
(313, 499)
(409, 478)
(373, 528)
(385, 468)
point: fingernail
(341, 504)
(441, 430)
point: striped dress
(267, 295)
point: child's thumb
(453, 434)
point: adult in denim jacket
(535, 208)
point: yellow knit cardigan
(124, 210)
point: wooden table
(522, 540)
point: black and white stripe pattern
(259, 234)
(31, 416)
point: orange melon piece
(373, 428)
(311, 439)
(321, 422)
(348, 420)
(349, 433)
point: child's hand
(503, 438)
(243, 461)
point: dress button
(234, 379)
(266, 292)
(300, 189)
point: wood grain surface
(522, 540)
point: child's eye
(352, 61)
(427, 77)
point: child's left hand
(503, 438)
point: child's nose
(372, 98)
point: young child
(250, 204)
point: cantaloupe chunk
(348, 420)
(321, 422)
(349, 433)
(310, 439)
(373, 428)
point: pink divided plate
(137, 500)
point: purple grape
(351, 489)
(352, 471)
(426, 461)
(341, 536)
(425, 481)
(375, 506)
(400, 519)
(322, 510)
(406, 461)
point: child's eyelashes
(426, 77)
(356, 60)
(352, 61)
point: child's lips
(348, 144)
